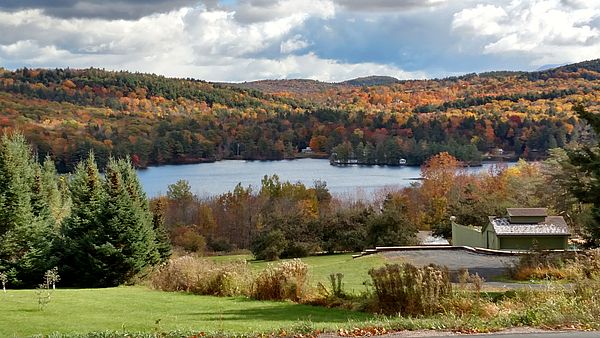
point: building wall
(466, 236)
(491, 241)
(527, 242)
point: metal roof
(527, 212)
(552, 226)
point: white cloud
(552, 31)
(311, 66)
(293, 44)
(483, 19)
(209, 44)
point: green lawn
(133, 309)
(320, 267)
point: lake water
(216, 178)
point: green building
(521, 229)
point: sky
(326, 40)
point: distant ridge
(298, 86)
(371, 81)
(306, 86)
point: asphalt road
(572, 334)
(511, 333)
(487, 266)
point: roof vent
(527, 215)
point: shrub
(203, 276)
(287, 280)
(188, 239)
(557, 265)
(467, 298)
(587, 292)
(406, 289)
(220, 245)
(298, 250)
(269, 245)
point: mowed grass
(139, 309)
(355, 270)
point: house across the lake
(521, 229)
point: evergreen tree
(140, 204)
(55, 192)
(83, 235)
(370, 156)
(25, 225)
(108, 238)
(391, 226)
(360, 153)
(586, 184)
(163, 244)
(130, 241)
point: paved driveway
(486, 265)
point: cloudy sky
(328, 40)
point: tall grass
(203, 277)
(557, 265)
(410, 290)
(286, 280)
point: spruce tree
(55, 191)
(163, 244)
(129, 220)
(109, 236)
(140, 204)
(26, 232)
(83, 261)
(586, 186)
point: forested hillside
(156, 120)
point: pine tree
(55, 192)
(26, 233)
(586, 187)
(109, 236)
(82, 232)
(140, 203)
(163, 244)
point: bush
(220, 245)
(545, 265)
(408, 290)
(188, 239)
(298, 250)
(269, 245)
(287, 280)
(203, 276)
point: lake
(208, 179)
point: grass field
(139, 309)
(133, 309)
(320, 267)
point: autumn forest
(65, 113)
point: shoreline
(480, 164)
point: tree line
(98, 230)
(286, 219)
(101, 230)
(67, 113)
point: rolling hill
(156, 120)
